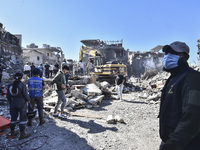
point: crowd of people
(46, 70)
(49, 70)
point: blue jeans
(61, 99)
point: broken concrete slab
(95, 100)
(91, 89)
(104, 84)
(75, 93)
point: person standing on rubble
(60, 81)
(32, 67)
(27, 69)
(46, 66)
(18, 98)
(179, 114)
(81, 65)
(41, 70)
(90, 66)
(119, 81)
(35, 86)
(56, 68)
(51, 70)
(67, 75)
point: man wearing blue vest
(35, 86)
(179, 114)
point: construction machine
(103, 71)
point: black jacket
(180, 110)
(19, 99)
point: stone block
(95, 100)
(110, 119)
(91, 89)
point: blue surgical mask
(170, 61)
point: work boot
(29, 123)
(23, 135)
(42, 121)
(13, 134)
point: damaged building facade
(10, 53)
(111, 50)
(137, 62)
(10, 44)
(33, 54)
(141, 62)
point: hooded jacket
(19, 99)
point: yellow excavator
(104, 71)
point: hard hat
(31, 115)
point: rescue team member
(60, 81)
(18, 97)
(119, 81)
(180, 104)
(35, 86)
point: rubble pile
(149, 86)
(82, 96)
(11, 64)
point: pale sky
(141, 24)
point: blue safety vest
(35, 87)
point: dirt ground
(139, 132)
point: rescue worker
(119, 81)
(60, 81)
(35, 86)
(179, 114)
(18, 97)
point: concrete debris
(11, 64)
(96, 100)
(104, 84)
(119, 119)
(110, 120)
(91, 89)
(76, 93)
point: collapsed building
(39, 56)
(137, 62)
(111, 50)
(10, 53)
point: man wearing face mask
(179, 114)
